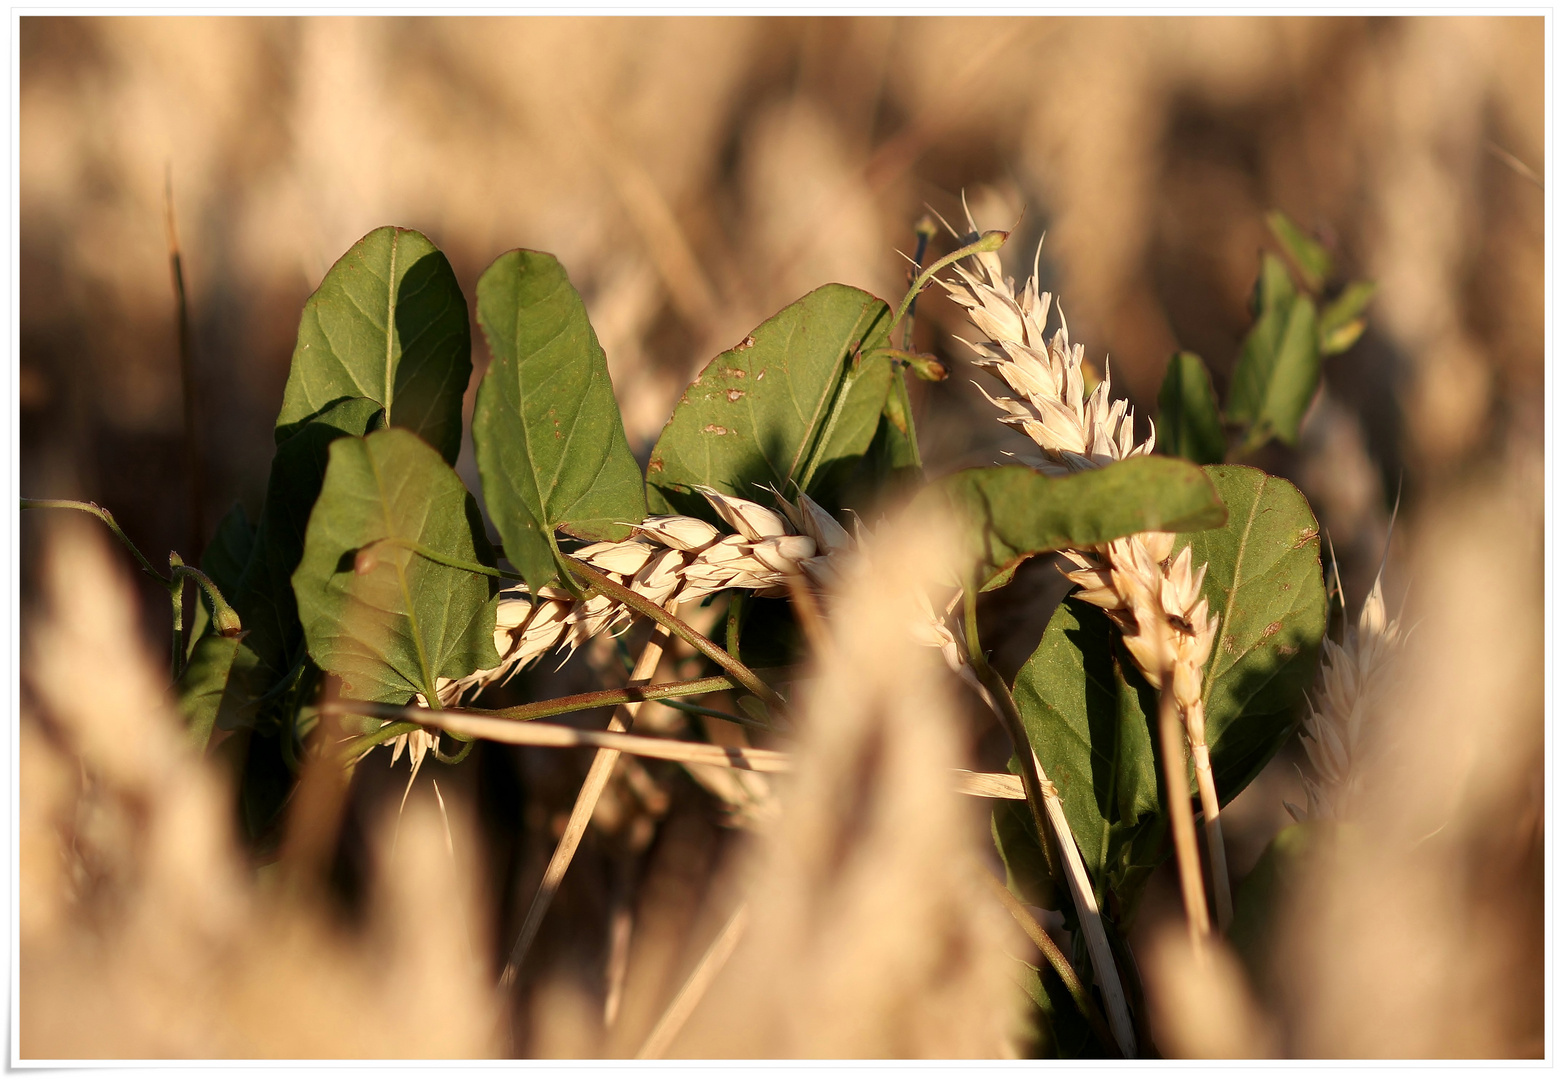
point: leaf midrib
(402, 582)
(391, 315)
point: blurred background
(694, 175)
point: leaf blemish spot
(715, 429)
(747, 343)
(735, 395)
(1271, 629)
(759, 375)
(734, 373)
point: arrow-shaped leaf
(387, 620)
(547, 432)
(389, 324)
(788, 405)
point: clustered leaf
(1279, 366)
(370, 562)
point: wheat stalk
(1152, 595)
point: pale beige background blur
(693, 175)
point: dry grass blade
(990, 785)
(1092, 926)
(195, 527)
(591, 789)
(689, 996)
(752, 759)
(521, 733)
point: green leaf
(203, 683)
(1089, 714)
(1277, 373)
(786, 406)
(547, 433)
(1013, 511)
(1273, 287)
(1056, 1027)
(1189, 424)
(890, 468)
(1016, 839)
(387, 621)
(1085, 711)
(388, 324)
(1341, 323)
(274, 641)
(1311, 258)
(224, 558)
(1264, 583)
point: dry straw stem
(690, 994)
(603, 763)
(1083, 897)
(1151, 595)
(1182, 820)
(516, 733)
(1043, 799)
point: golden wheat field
(799, 878)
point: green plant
(370, 565)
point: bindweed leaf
(1279, 366)
(1313, 261)
(1264, 584)
(203, 683)
(547, 432)
(1085, 710)
(388, 323)
(1013, 512)
(1189, 424)
(1089, 713)
(1341, 323)
(1016, 839)
(274, 642)
(224, 558)
(794, 403)
(392, 624)
(384, 339)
